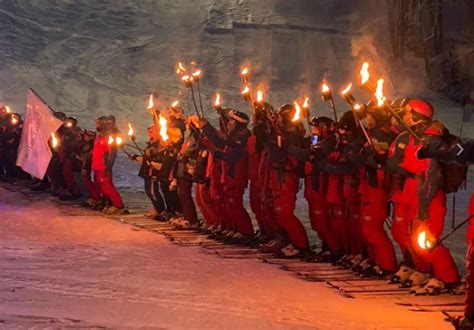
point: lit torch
(365, 76)
(131, 132)
(245, 75)
(327, 96)
(118, 141)
(347, 94)
(111, 140)
(297, 115)
(180, 68)
(54, 140)
(379, 93)
(163, 128)
(196, 77)
(175, 104)
(423, 242)
(7, 109)
(259, 96)
(151, 105)
(14, 120)
(217, 102)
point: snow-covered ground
(63, 269)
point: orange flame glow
(259, 96)
(306, 102)
(357, 106)
(217, 102)
(364, 73)
(131, 131)
(180, 68)
(187, 78)
(175, 104)
(246, 90)
(119, 140)
(163, 128)
(197, 73)
(297, 115)
(423, 242)
(245, 71)
(347, 89)
(54, 140)
(7, 109)
(325, 88)
(14, 120)
(111, 140)
(150, 103)
(379, 93)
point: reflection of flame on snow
(364, 73)
(297, 115)
(163, 128)
(379, 93)
(131, 131)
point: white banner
(34, 153)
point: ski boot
(433, 287)
(355, 261)
(361, 266)
(290, 251)
(273, 246)
(401, 275)
(151, 213)
(457, 289)
(115, 211)
(462, 323)
(416, 279)
(184, 224)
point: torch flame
(175, 104)
(364, 73)
(54, 140)
(246, 90)
(131, 131)
(119, 140)
(180, 68)
(7, 109)
(423, 242)
(217, 102)
(379, 93)
(163, 128)
(187, 78)
(14, 120)
(325, 88)
(111, 140)
(150, 103)
(297, 115)
(306, 102)
(347, 89)
(259, 96)
(197, 73)
(245, 71)
(357, 106)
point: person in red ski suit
(316, 184)
(103, 158)
(463, 153)
(232, 151)
(284, 179)
(85, 157)
(430, 210)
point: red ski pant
(338, 225)
(107, 189)
(440, 260)
(381, 251)
(356, 239)
(203, 200)
(318, 215)
(469, 299)
(69, 177)
(284, 200)
(403, 214)
(236, 214)
(256, 204)
(91, 187)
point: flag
(34, 153)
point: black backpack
(454, 173)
